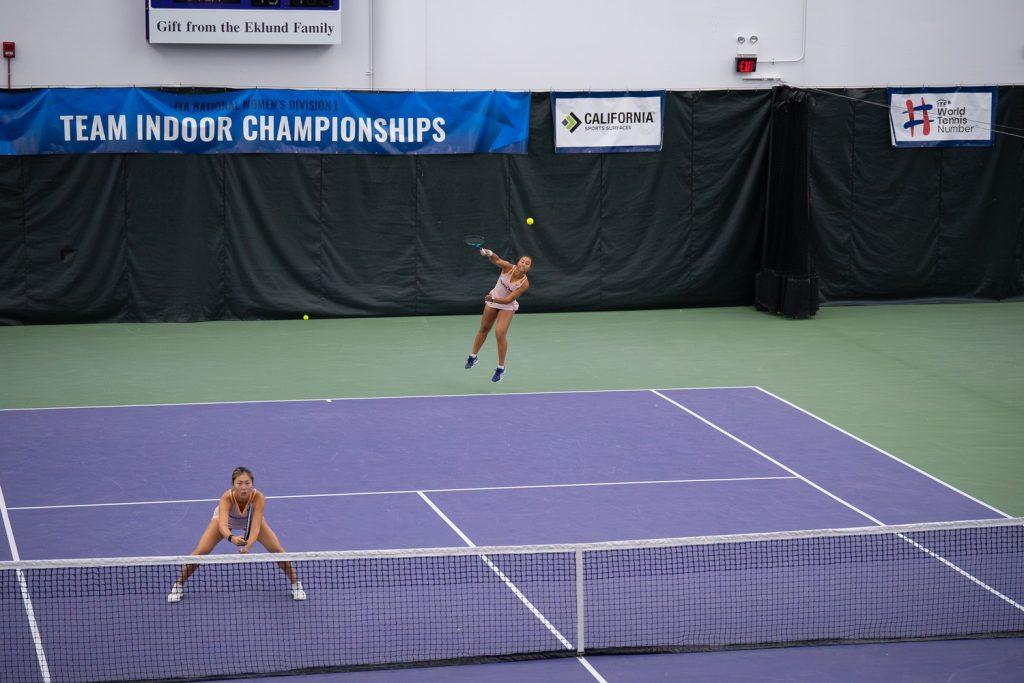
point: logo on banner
(924, 122)
(613, 120)
(571, 122)
(607, 122)
(942, 117)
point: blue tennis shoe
(498, 374)
(471, 361)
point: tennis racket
(248, 522)
(474, 241)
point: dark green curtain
(179, 237)
(921, 224)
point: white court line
(831, 495)
(362, 398)
(872, 446)
(405, 492)
(522, 598)
(26, 599)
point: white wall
(541, 45)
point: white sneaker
(177, 590)
(297, 592)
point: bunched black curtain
(787, 283)
(200, 237)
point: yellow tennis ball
(305, 316)
(529, 221)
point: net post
(579, 602)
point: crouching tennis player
(240, 510)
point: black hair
(238, 471)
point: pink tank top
(237, 519)
(502, 288)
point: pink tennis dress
(502, 289)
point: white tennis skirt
(514, 306)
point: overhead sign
(244, 22)
(942, 117)
(119, 120)
(607, 121)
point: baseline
(357, 398)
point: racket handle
(486, 252)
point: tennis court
(615, 343)
(502, 469)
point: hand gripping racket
(248, 522)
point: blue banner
(119, 120)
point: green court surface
(939, 386)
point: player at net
(241, 508)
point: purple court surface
(508, 469)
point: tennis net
(110, 620)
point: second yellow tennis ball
(529, 221)
(305, 316)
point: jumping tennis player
(240, 509)
(500, 304)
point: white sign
(244, 27)
(941, 117)
(607, 122)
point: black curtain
(95, 238)
(198, 237)
(920, 224)
(13, 264)
(787, 283)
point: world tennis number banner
(119, 120)
(942, 117)
(608, 121)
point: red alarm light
(746, 64)
(8, 50)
